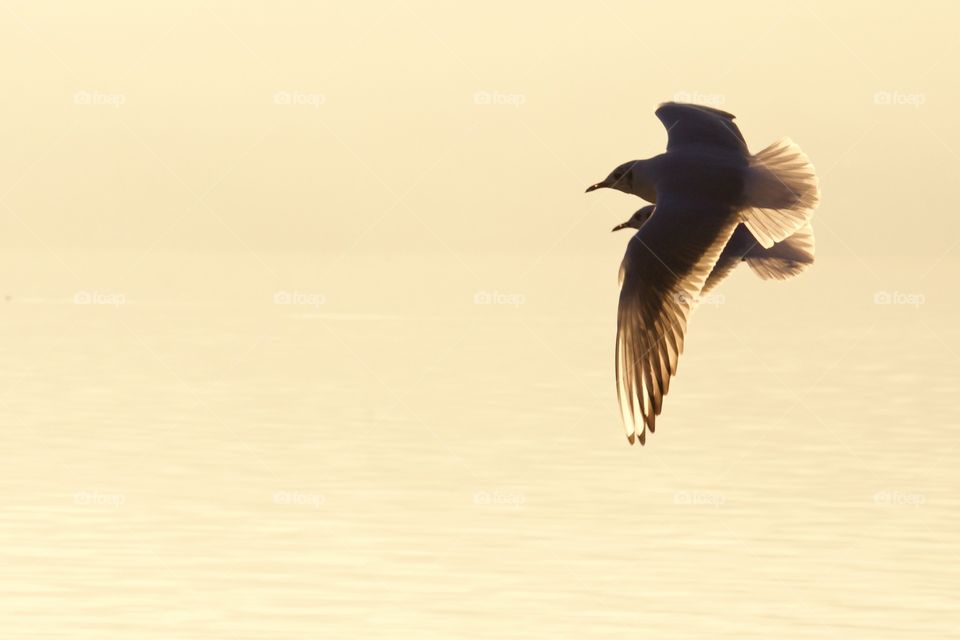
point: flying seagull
(704, 186)
(781, 261)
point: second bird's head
(638, 219)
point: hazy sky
(435, 126)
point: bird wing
(740, 244)
(665, 267)
(782, 261)
(691, 124)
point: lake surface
(294, 462)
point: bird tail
(780, 192)
(784, 259)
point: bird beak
(620, 226)
(594, 187)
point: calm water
(238, 468)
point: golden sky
(431, 126)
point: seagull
(705, 187)
(782, 261)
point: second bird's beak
(594, 187)
(621, 226)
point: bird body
(709, 174)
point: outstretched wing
(665, 267)
(782, 261)
(739, 245)
(692, 124)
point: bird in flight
(781, 261)
(716, 204)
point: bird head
(620, 179)
(638, 219)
